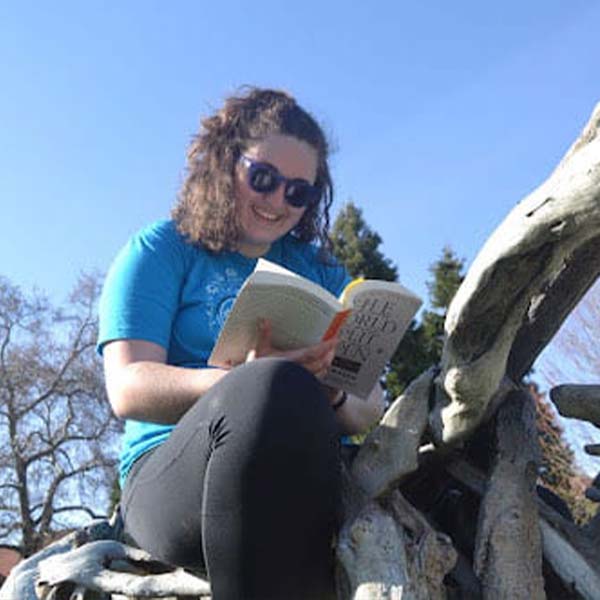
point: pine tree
(356, 245)
(422, 345)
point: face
(264, 218)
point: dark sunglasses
(264, 178)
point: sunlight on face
(264, 218)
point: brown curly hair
(205, 211)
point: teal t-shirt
(164, 290)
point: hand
(317, 359)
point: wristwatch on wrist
(342, 397)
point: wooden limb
(508, 555)
(568, 563)
(372, 555)
(20, 584)
(593, 494)
(389, 552)
(113, 568)
(563, 543)
(553, 306)
(592, 449)
(578, 402)
(522, 267)
(592, 530)
(390, 451)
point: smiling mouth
(265, 216)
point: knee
(287, 394)
(285, 381)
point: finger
(263, 337)
(319, 367)
(320, 375)
(315, 353)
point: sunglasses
(264, 178)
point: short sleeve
(142, 289)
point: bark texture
(390, 552)
(578, 402)
(390, 451)
(537, 260)
(508, 553)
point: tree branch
(43, 521)
(77, 507)
(519, 266)
(578, 402)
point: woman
(231, 472)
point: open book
(370, 316)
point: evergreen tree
(422, 345)
(356, 245)
(447, 277)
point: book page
(298, 319)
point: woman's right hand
(317, 358)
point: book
(370, 317)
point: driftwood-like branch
(508, 555)
(390, 552)
(592, 449)
(20, 584)
(520, 271)
(569, 563)
(113, 568)
(390, 451)
(578, 401)
(571, 552)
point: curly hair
(205, 212)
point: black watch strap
(338, 403)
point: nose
(277, 197)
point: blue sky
(443, 115)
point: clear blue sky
(444, 114)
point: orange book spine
(336, 324)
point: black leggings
(246, 488)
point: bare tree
(56, 428)
(574, 356)
(575, 349)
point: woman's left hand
(317, 358)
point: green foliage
(422, 345)
(410, 359)
(447, 276)
(356, 245)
